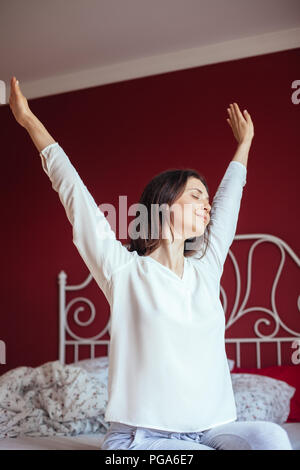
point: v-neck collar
(181, 279)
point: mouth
(202, 217)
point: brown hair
(164, 188)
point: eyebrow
(197, 189)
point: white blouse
(168, 367)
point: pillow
(261, 398)
(287, 373)
(97, 367)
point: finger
(237, 110)
(230, 114)
(233, 130)
(233, 114)
(236, 115)
(247, 115)
(17, 86)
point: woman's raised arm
(25, 117)
(93, 236)
(227, 200)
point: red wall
(120, 135)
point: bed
(60, 404)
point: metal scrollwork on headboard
(64, 327)
(238, 313)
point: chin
(197, 233)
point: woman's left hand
(241, 125)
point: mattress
(80, 442)
(293, 430)
(93, 441)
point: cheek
(184, 213)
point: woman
(169, 383)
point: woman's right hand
(18, 103)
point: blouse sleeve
(92, 234)
(224, 216)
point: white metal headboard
(236, 313)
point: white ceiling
(53, 46)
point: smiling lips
(203, 217)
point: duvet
(52, 399)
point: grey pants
(237, 435)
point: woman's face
(190, 212)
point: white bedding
(80, 442)
(51, 400)
(293, 430)
(57, 406)
(93, 441)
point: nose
(208, 208)
(204, 207)
(205, 210)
